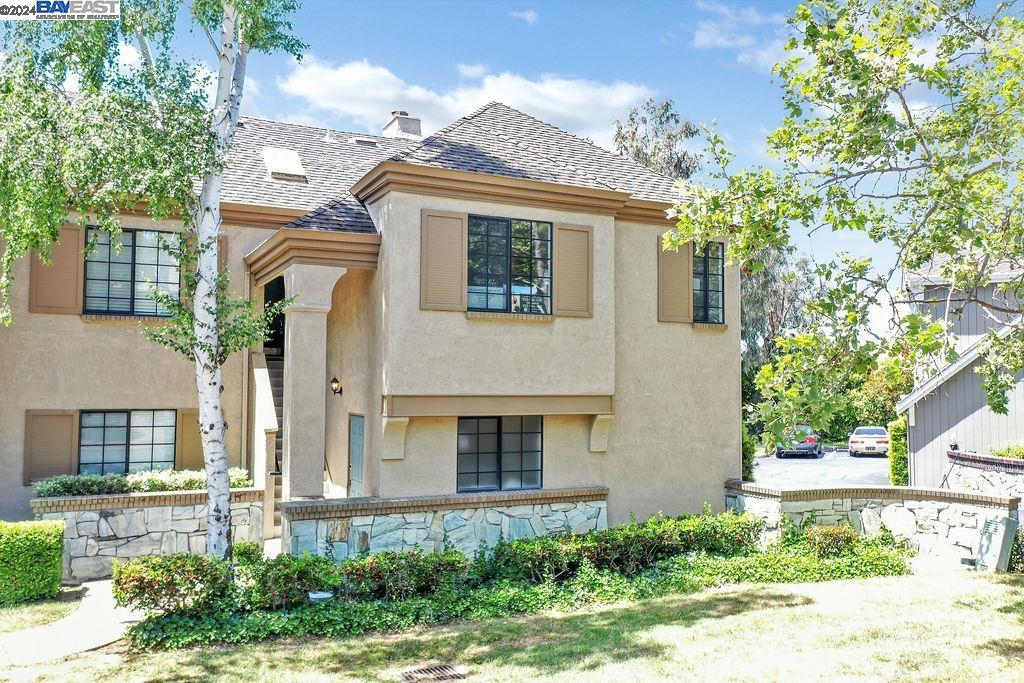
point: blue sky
(574, 64)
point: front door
(355, 456)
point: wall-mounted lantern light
(336, 386)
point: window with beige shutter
(57, 287)
(574, 271)
(675, 284)
(443, 256)
(51, 444)
(189, 442)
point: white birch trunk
(212, 427)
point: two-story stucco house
(492, 300)
(948, 406)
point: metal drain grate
(435, 672)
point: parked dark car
(810, 444)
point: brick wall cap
(116, 501)
(335, 508)
(876, 492)
(984, 461)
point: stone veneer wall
(98, 529)
(342, 527)
(985, 474)
(935, 521)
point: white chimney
(402, 125)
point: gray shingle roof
(996, 271)
(496, 140)
(500, 140)
(332, 159)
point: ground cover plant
(136, 482)
(192, 603)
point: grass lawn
(948, 627)
(38, 613)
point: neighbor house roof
(950, 371)
(931, 272)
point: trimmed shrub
(31, 556)
(174, 584)
(246, 553)
(394, 575)
(1015, 451)
(137, 482)
(830, 540)
(284, 581)
(899, 469)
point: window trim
(131, 299)
(508, 265)
(128, 436)
(499, 470)
(700, 314)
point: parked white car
(869, 441)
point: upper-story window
(122, 282)
(709, 284)
(509, 266)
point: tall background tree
(904, 123)
(655, 136)
(83, 133)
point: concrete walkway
(96, 622)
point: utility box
(997, 534)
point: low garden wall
(338, 528)
(98, 529)
(935, 521)
(985, 474)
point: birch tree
(84, 131)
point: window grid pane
(120, 441)
(709, 284)
(500, 453)
(509, 265)
(123, 282)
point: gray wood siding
(974, 322)
(957, 411)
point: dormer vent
(283, 164)
(365, 142)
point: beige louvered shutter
(51, 444)
(574, 271)
(189, 444)
(57, 287)
(443, 245)
(675, 284)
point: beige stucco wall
(676, 435)
(50, 361)
(444, 352)
(429, 466)
(353, 333)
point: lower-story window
(123, 441)
(500, 453)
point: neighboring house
(949, 406)
(492, 300)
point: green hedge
(137, 482)
(1015, 451)
(899, 468)
(31, 555)
(750, 444)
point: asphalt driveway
(833, 469)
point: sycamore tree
(905, 124)
(90, 132)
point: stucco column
(305, 377)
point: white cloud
(365, 93)
(669, 38)
(758, 38)
(471, 70)
(527, 16)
